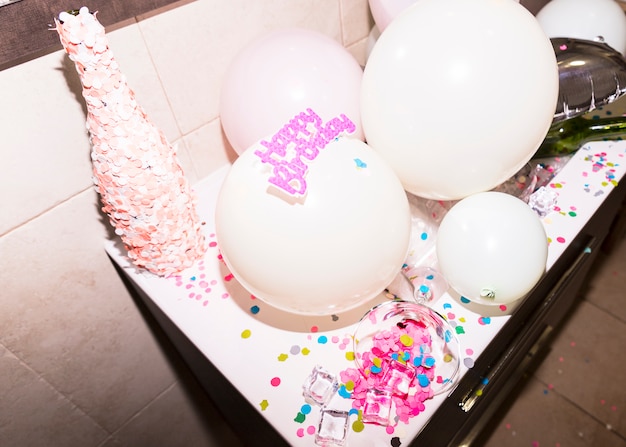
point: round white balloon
(585, 19)
(492, 248)
(458, 95)
(281, 73)
(332, 248)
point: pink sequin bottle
(141, 183)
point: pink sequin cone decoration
(136, 171)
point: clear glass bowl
(412, 334)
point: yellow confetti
(358, 426)
(305, 351)
(350, 356)
(406, 340)
(246, 333)
(282, 357)
(264, 404)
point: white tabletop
(268, 353)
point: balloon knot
(487, 293)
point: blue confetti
(343, 392)
(423, 380)
(360, 163)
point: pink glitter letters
(297, 143)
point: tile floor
(576, 397)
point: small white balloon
(492, 248)
(598, 20)
(321, 249)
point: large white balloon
(332, 248)
(492, 248)
(585, 19)
(457, 95)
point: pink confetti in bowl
(411, 333)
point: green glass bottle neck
(570, 135)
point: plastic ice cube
(320, 386)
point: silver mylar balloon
(591, 74)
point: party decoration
(407, 350)
(492, 248)
(452, 104)
(313, 224)
(282, 73)
(601, 20)
(591, 75)
(136, 171)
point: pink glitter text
(297, 143)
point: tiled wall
(79, 365)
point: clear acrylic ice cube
(332, 428)
(320, 386)
(543, 201)
(398, 378)
(377, 407)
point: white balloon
(492, 248)
(281, 73)
(585, 19)
(337, 246)
(458, 95)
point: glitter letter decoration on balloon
(136, 171)
(296, 144)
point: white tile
(67, 314)
(208, 149)
(35, 414)
(356, 20)
(45, 147)
(195, 422)
(135, 62)
(193, 45)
